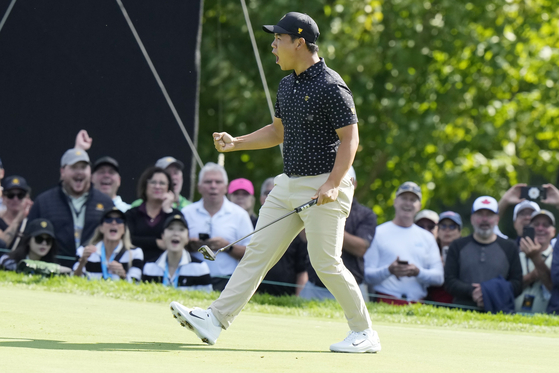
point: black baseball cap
(109, 161)
(294, 23)
(40, 226)
(175, 217)
(16, 182)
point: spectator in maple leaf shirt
(483, 270)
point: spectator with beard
(474, 261)
(73, 207)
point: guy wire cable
(7, 14)
(259, 63)
(161, 85)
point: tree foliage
(459, 96)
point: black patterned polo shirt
(312, 106)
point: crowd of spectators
(419, 256)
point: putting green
(52, 332)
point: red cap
(243, 184)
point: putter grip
(306, 205)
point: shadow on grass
(47, 344)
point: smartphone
(533, 193)
(404, 262)
(529, 232)
(204, 236)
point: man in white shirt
(216, 222)
(403, 259)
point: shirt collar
(312, 71)
(226, 208)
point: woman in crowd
(110, 253)
(155, 188)
(38, 243)
(535, 258)
(449, 229)
(17, 201)
(175, 267)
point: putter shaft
(205, 249)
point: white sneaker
(202, 322)
(365, 341)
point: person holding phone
(403, 259)
(523, 208)
(215, 221)
(535, 258)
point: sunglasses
(46, 239)
(428, 227)
(113, 220)
(20, 195)
(451, 227)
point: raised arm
(266, 137)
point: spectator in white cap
(523, 210)
(73, 206)
(403, 259)
(241, 192)
(536, 255)
(174, 167)
(522, 216)
(428, 220)
(481, 257)
(106, 179)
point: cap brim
(97, 166)
(42, 231)
(274, 29)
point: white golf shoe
(202, 322)
(365, 341)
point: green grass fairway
(53, 332)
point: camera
(533, 193)
(203, 236)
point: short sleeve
(277, 112)
(339, 106)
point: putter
(210, 255)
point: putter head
(207, 252)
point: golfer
(316, 121)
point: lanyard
(166, 276)
(104, 260)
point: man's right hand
(223, 142)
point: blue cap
(455, 217)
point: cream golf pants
(324, 227)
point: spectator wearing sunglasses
(428, 220)
(483, 262)
(110, 253)
(403, 259)
(38, 243)
(449, 229)
(17, 201)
